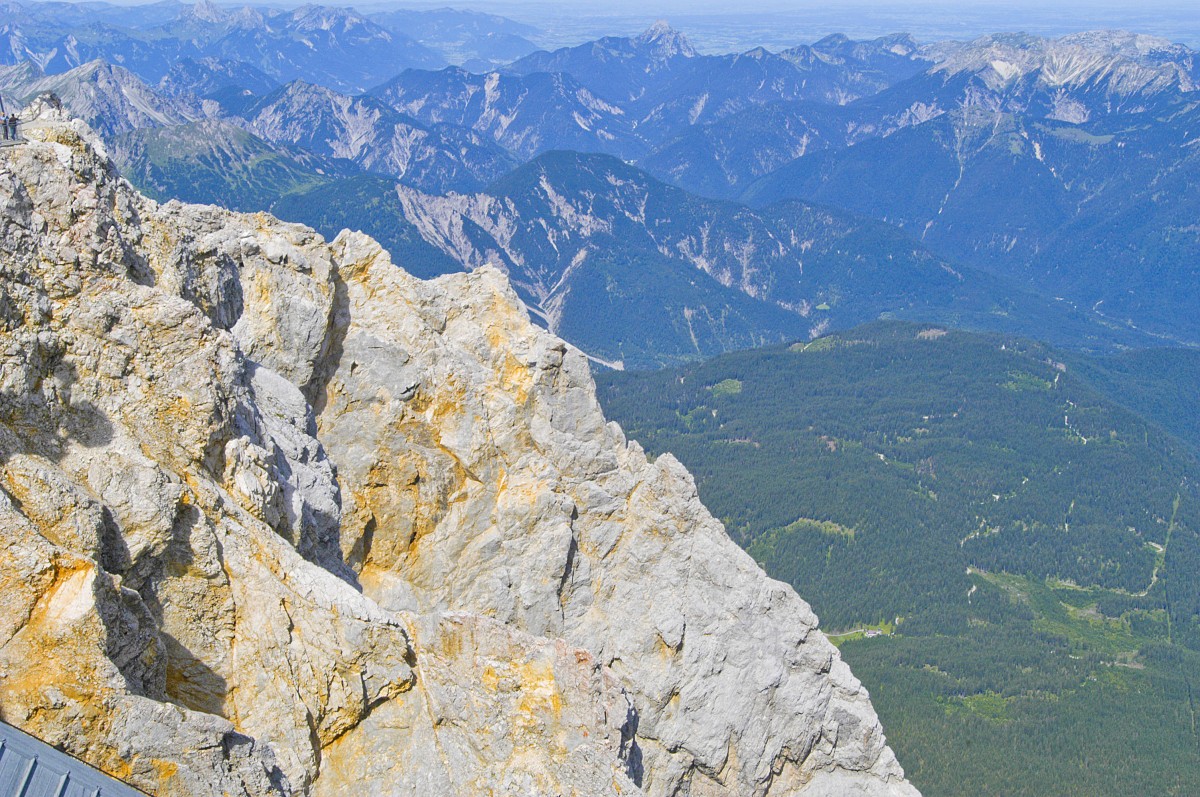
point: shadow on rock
(47, 418)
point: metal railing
(29, 766)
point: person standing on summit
(4, 121)
(13, 121)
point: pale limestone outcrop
(288, 520)
(485, 478)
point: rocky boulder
(277, 517)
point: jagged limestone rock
(278, 518)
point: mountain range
(640, 273)
(336, 47)
(1098, 212)
(1031, 170)
(376, 138)
(928, 277)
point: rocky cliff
(278, 518)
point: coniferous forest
(1004, 550)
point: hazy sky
(621, 7)
(592, 8)
(725, 25)
(721, 25)
(728, 25)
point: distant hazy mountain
(722, 158)
(641, 69)
(471, 39)
(1072, 79)
(885, 60)
(708, 123)
(57, 45)
(377, 138)
(666, 87)
(168, 145)
(333, 46)
(213, 77)
(1095, 211)
(715, 123)
(299, 124)
(93, 12)
(525, 114)
(620, 69)
(336, 47)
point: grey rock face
(278, 518)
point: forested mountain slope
(638, 272)
(1159, 383)
(1028, 545)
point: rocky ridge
(376, 138)
(111, 98)
(1123, 64)
(278, 518)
